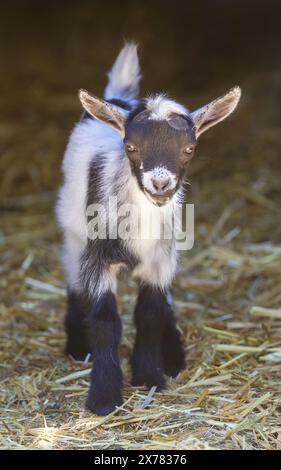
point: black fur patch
(94, 180)
(141, 106)
(77, 342)
(94, 193)
(159, 144)
(121, 103)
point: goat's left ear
(216, 111)
(103, 111)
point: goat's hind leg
(77, 344)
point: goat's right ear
(103, 111)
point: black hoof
(173, 354)
(172, 369)
(105, 392)
(77, 350)
(149, 379)
(103, 406)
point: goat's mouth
(158, 200)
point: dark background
(194, 51)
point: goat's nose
(160, 184)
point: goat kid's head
(160, 136)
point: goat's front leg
(158, 345)
(104, 334)
(150, 313)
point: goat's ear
(216, 111)
(103, 111)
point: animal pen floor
(227, 293)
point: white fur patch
(161, 107)
(72, 250)
(107, 280)
(159, 174)
(158, 257)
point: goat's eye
(188, 150)
(130, 148)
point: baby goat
(138, 152)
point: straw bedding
(227, 295)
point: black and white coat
(133, 152)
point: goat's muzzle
(159, 199)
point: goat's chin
(158, 201)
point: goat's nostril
(165, 184)
(160, 184)
(155, 184)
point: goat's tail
(124, 76)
